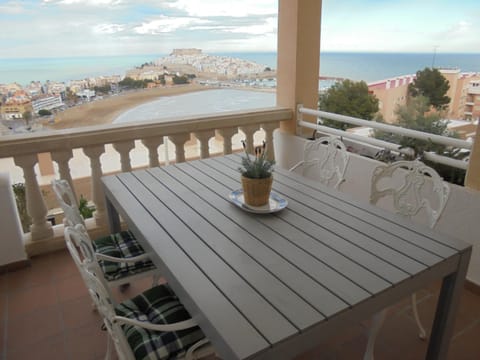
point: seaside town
(98, 100)
(28, 108)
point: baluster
(37, 210)
(249, 132)
(94, 154)
(269, 128)
(124, 148)
(152, 145)
(179, 141)
(227, 134)
(204, 137)
(62, 158)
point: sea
(357, 66)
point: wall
(12, 249)
(459, 219)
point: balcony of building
(45, 311)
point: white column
(152, 145)
(40, 228)
(62, 158)
(269, 128)
(124, 148)
(249, 132)
(94, 154)
(227, 134)
(204, 137)
(179, 141)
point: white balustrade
(226, 134)
(203, 137)
(152, 145)
(179, 141)
(249, 133)
(124, 148)
(60, 144)
(62, 158)
(94, 153)
(40, 228)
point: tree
(348, 98)
(178, 80)
(433, 85)
(44, 112)
(416, 116)
(27, 116)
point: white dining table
(273, 285)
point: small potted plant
(257, 176)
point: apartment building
(47, 102)
(464, 94)
(15, 108)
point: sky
(58, 28)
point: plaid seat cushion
(158, 305)
(121, 245)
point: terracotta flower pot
(256, 192)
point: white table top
(270, 285)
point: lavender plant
(258, 166)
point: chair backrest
(325, 159)
(412, 186)
(96, 285)
(67, 201)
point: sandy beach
(106, 110)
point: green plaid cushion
(158, 305)
(121, 245)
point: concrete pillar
(472, 180)
(298, 52)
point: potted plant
(257, 176)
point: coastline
(104, 111)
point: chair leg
(422, 334)
(108, 355)
(377, 322)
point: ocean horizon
(367, 66)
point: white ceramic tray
(276, 203)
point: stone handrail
(25, 148)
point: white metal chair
(412, 188)
(152, 325)
(325, 159)
(120, 256)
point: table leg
(448, 301)
(113, 217)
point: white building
(47, 103)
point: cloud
(166, 24)
(108, 28)
(84, 2)
(268, 27)
(230, 8)
(12, 8)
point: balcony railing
(444, 140)
(25, 151)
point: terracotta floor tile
(466, 346)
(3, 308)
(27, 300)
(61, 265)
(87, 342)
(52, 348)
(70, 288)
(79, 312)
(37, 273)
(31, 328)
(3, 283)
